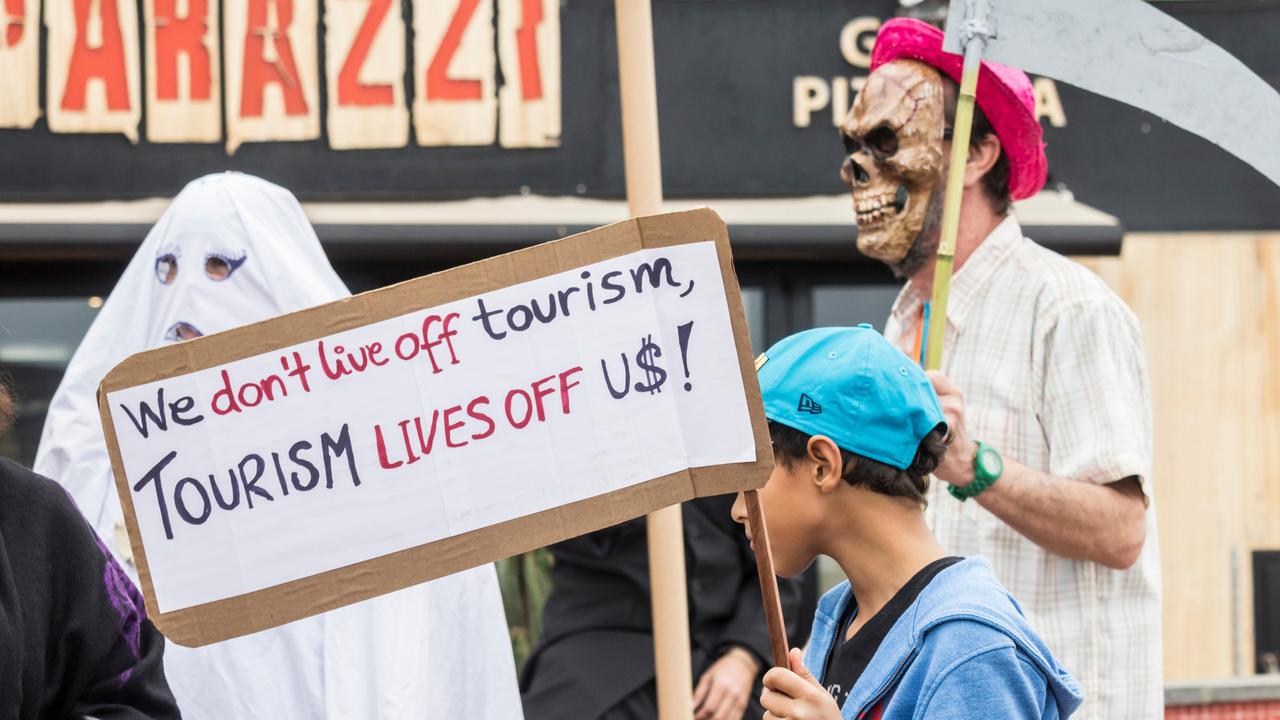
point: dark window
(846, 305)
(37, 338)
(1266, 610)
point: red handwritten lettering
(481, 416)
(565, 386)
(528, 409)
(299, 370)
(450, 426)
(408, 447)
(383, 460)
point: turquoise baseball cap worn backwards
(853, 386)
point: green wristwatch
(987, 469)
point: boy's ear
(826, 463)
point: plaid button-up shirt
(1051, 365)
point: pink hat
(1004, 94)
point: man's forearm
(1079, 520)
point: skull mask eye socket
(883, 141)
(851, 144)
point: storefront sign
(748, 92)
(364, 68)
(529, 54)
(273, 88)
(184, 88)
(270, 52)
(92, 72)
(454, 73)
(20, 63)
(814, 94)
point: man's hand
(957, 464)
(725, 688)
(795, 694)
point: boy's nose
(739, 510)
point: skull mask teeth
(893, 161)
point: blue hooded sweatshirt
(963, 649)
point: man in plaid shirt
(1048, 472)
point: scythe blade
(1129, 51)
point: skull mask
(893, 144)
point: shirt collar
(970, 280)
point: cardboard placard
(184, 83)
(321, 458)
(20, 63)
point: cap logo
(808, 405)
(761, 359)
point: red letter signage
(529, 51)
(20, 64)
(365, 64)
(454, 72)
(184, 99)
(272, 70)
(93, 66)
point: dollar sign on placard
(654, 376)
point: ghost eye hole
(220, 267)
(883, 140)
(166, 268)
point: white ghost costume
(440, 649)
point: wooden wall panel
(1209, 305)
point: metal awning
(806, 228)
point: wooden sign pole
(638, 89)
(768, 579)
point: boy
(856, 431)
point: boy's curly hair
(791, 446)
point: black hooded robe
(74, 639)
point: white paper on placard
(526, 400)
